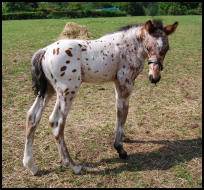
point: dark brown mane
(124, 28)
(157, 24)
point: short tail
(39, 81)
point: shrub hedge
(60, 14)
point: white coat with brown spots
(65, 64)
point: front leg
(122, 98)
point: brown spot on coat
(51, 124)
(87, 59)
(63, 68)
(127, 80)
(66, 90)
(84, 49)
(57, 51)
(51, 76)
(53, 51)
(67, 62)
(73, 92)
(68, 52)
(80, 45)
(123, 56)
(62, 74)
(55, 81)
(117, 44)
(74, 70)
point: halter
(149, 61)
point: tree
(132, 8)
(179, 8)
(74, 6)
(150, 8)
(19, 6)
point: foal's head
(156, 46)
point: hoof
(121, 152)
(77, 169)
(28, 163)
(123, 155)
(34, 170)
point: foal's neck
(136, 35)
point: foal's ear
(149, 27)
(170, 28)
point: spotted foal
(62, 66)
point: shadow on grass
(170, 155)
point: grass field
(164, 121)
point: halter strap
(149, 61)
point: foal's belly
(99, 68)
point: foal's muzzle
(155, 80)
(152, 80)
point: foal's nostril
(152, 80)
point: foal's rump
(61, 63)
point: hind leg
(32, 120)
(57, 122)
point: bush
(194, 12)
(23, 15)
(45, 13)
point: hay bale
(74, 31)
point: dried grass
(74, 31)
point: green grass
(164, 121)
